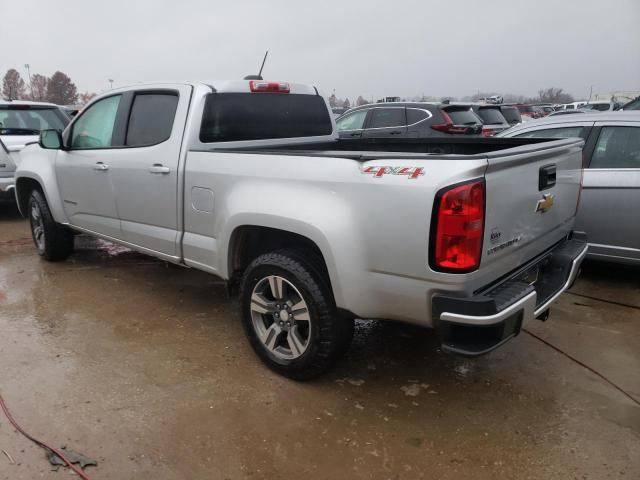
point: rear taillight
(448, 126)
(259, 86)
(456, 242)
(488, 132)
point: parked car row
(408, 119)
(423, 120)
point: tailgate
(531, 197)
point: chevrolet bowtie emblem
(545, 203)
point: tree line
(58, 88)
(545, 95)
(340, 103)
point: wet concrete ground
(145, 367)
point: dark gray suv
(408, 120)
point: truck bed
(366, 149)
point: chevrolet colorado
(248, 180)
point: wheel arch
(24, 187)
(247, 241)
(25, 184)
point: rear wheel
(53, 241)
(290, 317)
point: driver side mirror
(50, 139)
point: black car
(492, 118)
(408, 120)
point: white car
(601, 106)
(573, 105)
(7, 171)
(20, 124)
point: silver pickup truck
(247, 180)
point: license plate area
(529, 276)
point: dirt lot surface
(145, 367)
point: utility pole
(26, 65)
(110, 83)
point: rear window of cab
(232, 117)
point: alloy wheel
(280, 317)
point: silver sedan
(610, 204)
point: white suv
(20, 124)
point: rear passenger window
(387, 117)
(415, 115)
(565, 132)
(617, 147)
(151, 119)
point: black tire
(328, 334)
(53, 241)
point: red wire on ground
(77, 470)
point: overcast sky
(357, 47)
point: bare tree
(86, 97)
(61, 90)
(13, 87)
(361, 101)
(554, 95)
(38, 87)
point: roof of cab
(220, 86)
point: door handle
(101, 167)
(157, 168)
(395, 132)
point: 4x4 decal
(378, 172)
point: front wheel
(290, 317)
(53, 241)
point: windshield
(29, 120)
(600, 107)
(633, 105)
(232, 117)
(525, 108)
(463, 116)
(511, 114)
(491, 116)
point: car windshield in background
(511, 114)
(230, 117)
(491, 116)
(632, 105)
(29, 120)
(526, 109)
(601, 107)
(462, 116)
